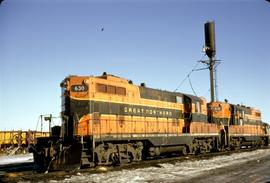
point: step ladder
(86, 156)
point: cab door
(187, 113)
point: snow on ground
(169, 172)
(21, 158)
(163, 172)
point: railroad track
(28, 172)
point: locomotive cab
(64, 151)
(72, 87)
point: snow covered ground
(169, 172)
(21, 158)
(177, 171)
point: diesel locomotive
(108, 120)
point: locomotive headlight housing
(86, 81)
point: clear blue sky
(156, 42)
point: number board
(79, 88)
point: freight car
(108, 120)
(13, 142)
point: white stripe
(248, 134)
(153, 135)
(118, 102)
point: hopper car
(14, 142)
